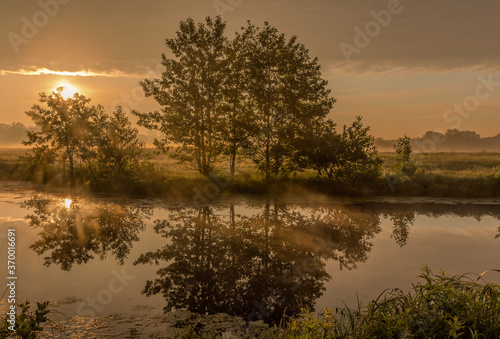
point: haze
(408, 72)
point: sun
(68, 90)
(67, 203)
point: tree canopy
(259, 91)
(190, 93)
(74, 136)
(258, 94)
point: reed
(438, 306)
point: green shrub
(29, 324)
(439, 307)
(404, 165)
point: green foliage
(28, 324)
(350, 157)
(190, 93)
(65, 131)
(359, 160)
(288, 96)
(117, 152)
(78, 141)
(439, 307)
(320, 149)
(257, 92)
(404, 165)
(329, 324)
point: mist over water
(252, 257)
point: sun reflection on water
(67, 203)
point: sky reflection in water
(256, 259)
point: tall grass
(451, 163)
(470, 175)
(439, 306)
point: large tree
(258, 91)
(287, 94)
(190, 93)
(236, 108)
(66, 129)
(77, 135)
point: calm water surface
(247, 256)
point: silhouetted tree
(117, 149)
(287, 94)
(259, 92)
(82, 137)
(190, 93)
(359, 159)
(65, 133)
(350, 156)
(320, 149)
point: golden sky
(406, 66)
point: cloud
(84, 73)
(438, 36)
(109, 37)
(10, 219)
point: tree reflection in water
(73, 231)
(260, 263)
(259, 266)
(401, 223)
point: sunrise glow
(68, 90)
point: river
(251, 256)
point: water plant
(440, 306)
(29, 324)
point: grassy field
(438, 175)
(454, 164)
(11, 167)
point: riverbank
(452, 175)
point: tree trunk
(232, 221)
(232, 161)
(268, 156)
(203, 170)
(267, 213)
(71, 164)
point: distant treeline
(11, 135)
(451, 141)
